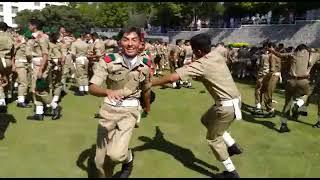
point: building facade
(8, 10)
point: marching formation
(37, 67)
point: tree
(112, 15)
(54, 16)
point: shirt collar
(130, 62)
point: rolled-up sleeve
(193, 70)
(100, 73)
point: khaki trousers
(272, 81)
(294, 89)
(113, 136)
(22, 70)
(43, 97)
(217, 120)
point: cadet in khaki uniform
(262, 71)
(6, 53)
(272, 79)
(301, 62)
(127, 77)
(79, 50)
(21, 67)
(56, 56)
(68, 65)
(212, 71)
(97, 50)
(111, 46)
(187, 58)
(38, 48)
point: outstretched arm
(170, 78)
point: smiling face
(130, 43)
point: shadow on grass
(90, 166)
(247, 116)
(5, 120)
(183, 155)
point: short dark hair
(201, 42)
(301, 47)
(3, 26)
(37, 23)
(220, 43)
(54, 37)
(131, 30)
(94, 34)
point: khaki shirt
(117, 76)
(6, 45)
(275, 63)
(301, 62)
(39, 45)
(98, 48)
(79, 48)
(214, 73)
(222, 50)
(66, 43)
(110, 45)
(56, 51)
(188, 52)
(20, 46)
(233, 55)
(263, 67)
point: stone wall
(291, 34)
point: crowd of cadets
(74, 57)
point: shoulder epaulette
(109, 58)
(146, 61)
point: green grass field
(179, 149)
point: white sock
(55, 99)
(39, 109)
(72, 76)
(129, 158)
(21, 99)
(300, 102)
(174, 84)
(2, 102)
(86, 88)
(258, 106)
(54, 104)
(228, 165)
(81, 88)
(228, 139)
(16, 84)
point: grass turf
(170, 142)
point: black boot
(3, 109)
(317, 125)
(284, 128)
(295, 112)
(126, 168)
(47, 111)
(38, 117)
(79, 93)
(23, 105)
(234, 150)
(270, 114)
(56, 113)
(227, 174)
